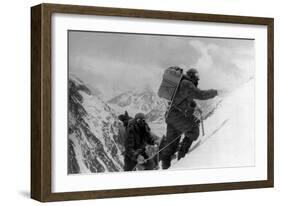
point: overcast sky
(115, 62)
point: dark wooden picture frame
(41, 117)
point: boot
(166, 163)
(184, 148)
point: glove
(197, 114)
(140, 159)
(151, 150)
(222, 92)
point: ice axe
(201, 119)
(202, 125)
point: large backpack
(170, 84)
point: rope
(158, 152)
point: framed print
(130, 102)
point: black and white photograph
(147, 102)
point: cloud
(222, 65)
(118, 62)
(126, 60)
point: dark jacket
(136, 140)
(181, 113)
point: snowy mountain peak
(136, 101)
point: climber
(181, 118)
(137, 141)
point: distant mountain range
(145, 101)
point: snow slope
(229, 134)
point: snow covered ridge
(95, 140)
(229, 139)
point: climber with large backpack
(180, 90)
